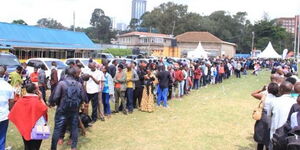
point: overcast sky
(62, 10)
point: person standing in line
(278, 109)
(113, 68)
(6, 103)
(164, 78)
(131, 78)
(42, 82)
(221, 73)
(108, 90)
(147, 104)
(213, 72)
(28, 112)
(120, 89)
(197, 77)
(139, 85)
(179, 81)
(70, 93)
(171, 87)
(93, 88)
(238, 69)
(53, 76)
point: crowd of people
(280, 106)
(129, 86)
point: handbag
(40, 131)
(257, 112)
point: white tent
(199, 52)
(269, 52)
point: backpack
(73, 98)
(293, 139)
(279, 138)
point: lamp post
(252, 46)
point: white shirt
(279, 110)
(294, 120)
(6, 93)
(269, 98)
(91, 86)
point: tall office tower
(138, 8)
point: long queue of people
(128, 86)
(278, 125)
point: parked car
(105, 57)
(83, 61)
(121, 60)
(46, 63)
(9, 60)
(138, 61)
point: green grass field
(214, 118)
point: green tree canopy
(19, 21)
(267, 30)
(50, 23)
(101, 25)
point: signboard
(4, 50)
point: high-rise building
(121, 26)
(138, 8)
(288, 23)
(292, 25)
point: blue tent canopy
(16, 35)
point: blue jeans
(3, 130)
(43, 90)
(162, 95)
(129, 95)
(105, 101)
(196, 84)
(95, 104)
(61, 118)
(181, 88)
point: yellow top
(128, 78)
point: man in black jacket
(113, 68)
(164, 78)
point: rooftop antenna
(173, 28)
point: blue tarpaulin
(242, 55)
(16, 35)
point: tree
(50, 23)
(19, 21)
(168, 18)
(134, 24)
(267, 30)
(101, 25)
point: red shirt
(197, 74)
(34, 77)
(178, 75)
(221, 70)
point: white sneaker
(8, 148)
